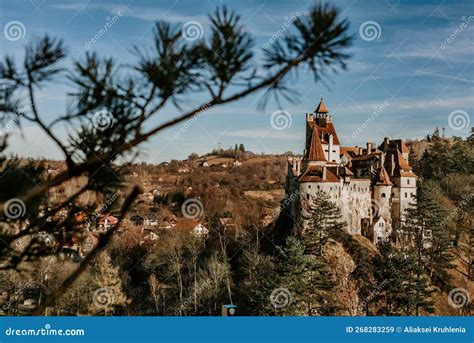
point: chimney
(324, 172)
(369, 148)
(360, 150)
(385, 144)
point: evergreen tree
(324, 219)
(241, 147)
(291, 265)
(258, 282)
(406, 288)
(307, 277)
(425, 234)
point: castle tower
(404, 188)
(327, 132)
(382, 191)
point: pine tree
(320, 281)
(406, 288)
(307, 277)
(291, 264)
(241, 147)
(324, 220)
(425, 234)
(258, 282)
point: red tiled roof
(401, 161)
(321, 108)
(408, 174)
(383, 178)
(186, 224)
(347, 149)
(367, 156)
(315, 151)
(328, 130)
(111, 220)
(315, 174)
(404, 147)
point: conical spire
(315, 151)
(383, 178)
(321, 107)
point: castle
(372, 185)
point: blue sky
(416, 70)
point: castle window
(318, 186)
(393, 194)
(307, 196)
(408, 181)
(309, 186)
(383, 195)
(334, 160)
(406, 195)
(334, 151)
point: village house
(106, 221)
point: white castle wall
(403, 192)
(353, 198)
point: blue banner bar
(237, 329)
